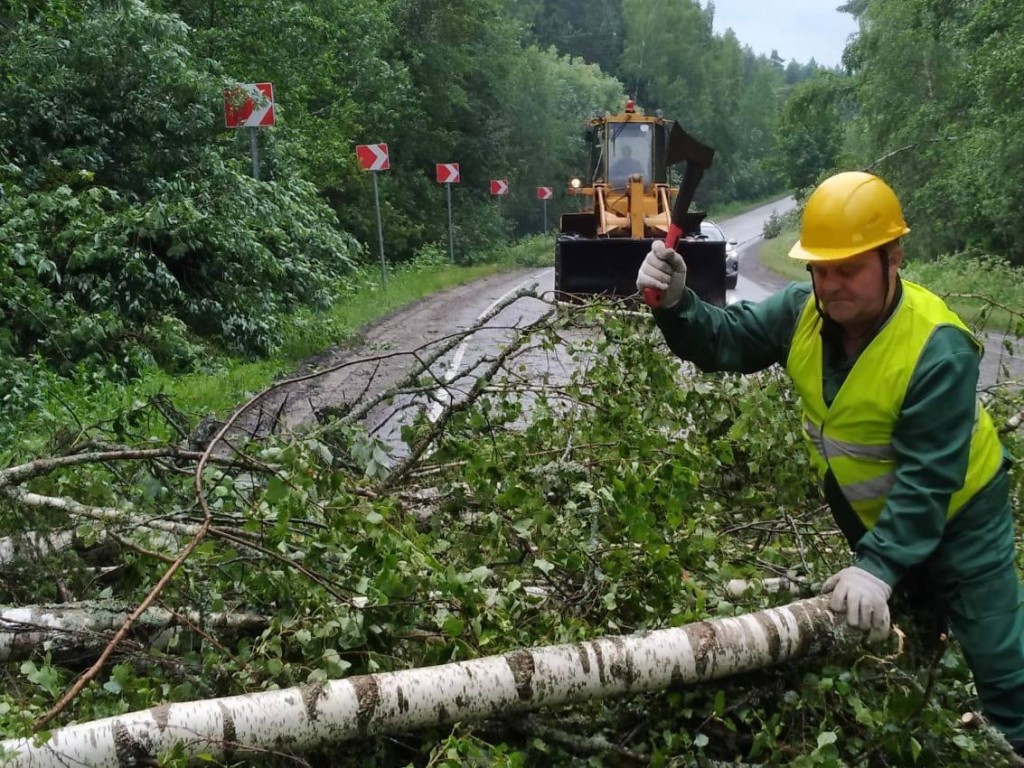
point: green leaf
(825, 738)
(453, 626)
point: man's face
(850, 291)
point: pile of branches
(344, 580)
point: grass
(986, 292)
(726, 210)
(775, 256)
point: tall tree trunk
(464, 691)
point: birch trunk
(82, 629)
(14, 547)
(164, 532)
(297, 719)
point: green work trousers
(975, 573)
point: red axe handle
(652, 296)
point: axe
(698, 158)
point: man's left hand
(864, 597)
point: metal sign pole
(380, 234)
(254, 150)
(451, 240)
(499, 206)
(545, 216)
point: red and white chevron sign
(447, 173)
(249, 105)
(545, 193)
(373, 157)
(499, 186)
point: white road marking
(442, 397)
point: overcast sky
(797, 29)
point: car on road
(709, 230)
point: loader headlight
(575, 183)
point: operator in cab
(624, 166)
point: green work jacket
(852, 436)
(930, 440)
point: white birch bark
(28, 544)
(297, 719)
(81, 629)
(770, 585)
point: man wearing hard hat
(911, 464)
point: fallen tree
(382, 565)
(491, 687)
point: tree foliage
(810, 131)
(931, 102)
(518, 529)
(132, 234)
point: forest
(135, 241)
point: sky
(797, 29)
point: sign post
(499, 188)
(254, 151)
(374, 158)
(448, 174)
(545, 194)
(250, 106)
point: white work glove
(864, 597)
(664, 270)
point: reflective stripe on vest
(853, 436)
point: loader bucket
(585, 268)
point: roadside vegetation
(152, 290)
(40, 402)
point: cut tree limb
(81, 629)
(519, 681)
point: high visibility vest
(853, 436)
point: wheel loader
(629, 203)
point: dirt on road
(374, 361)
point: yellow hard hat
(848, 214)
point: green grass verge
(726, 210)
(986, 292)
(775, 256)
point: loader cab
(629, 153)
(622, 148)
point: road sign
(447, 173)
(499, 186)
(373, 157)
(545, 193)
(249, 105)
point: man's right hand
(663, 270)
